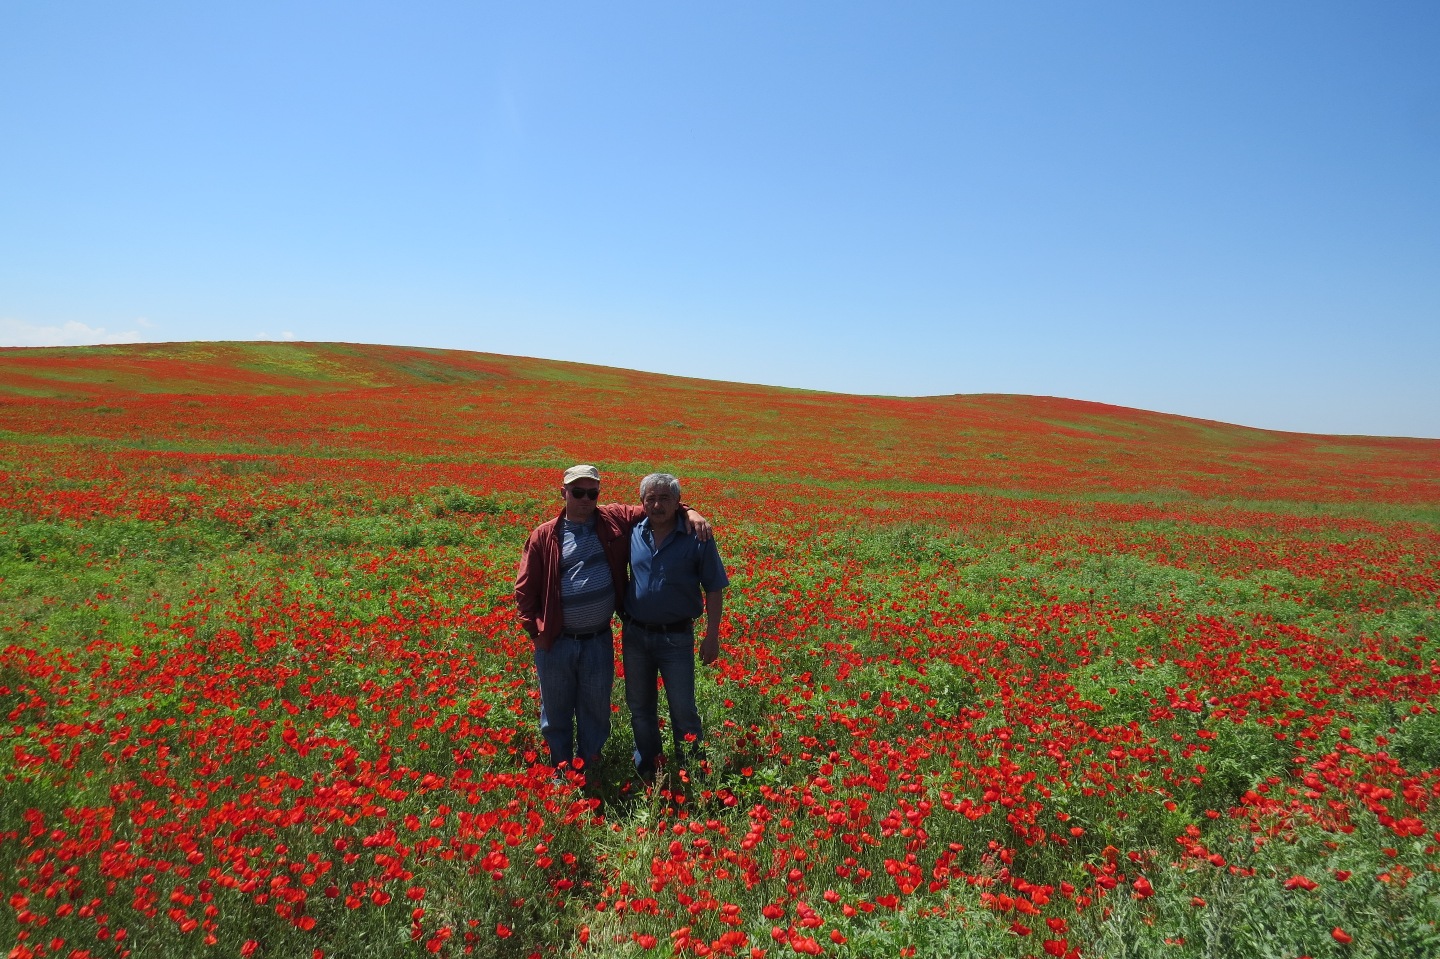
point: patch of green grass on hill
(1115, 431)
(35, 392)
(1225, 435)
(304, 364)
(436, 372)
(74, 374)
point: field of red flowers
(1003, 676)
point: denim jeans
(671, 656)
(576, 677)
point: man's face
(581, 497)
(660, 505)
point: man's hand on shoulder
(699, 525)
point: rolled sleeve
(712, 570)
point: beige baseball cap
(583, 471)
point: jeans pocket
(679, 641)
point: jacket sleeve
(628, 515)
(529, 587)
(623, 515)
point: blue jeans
(671, 656)
(576, 677)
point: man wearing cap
(671, 569)
(571, 581)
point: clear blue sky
(1223, 210)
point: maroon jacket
(537, 583)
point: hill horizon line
(12, 379)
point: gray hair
(663, 481)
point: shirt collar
(680, 525)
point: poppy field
(1001, 675)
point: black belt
(679, 625)
(584, 636)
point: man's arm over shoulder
(626, 517)
(699, 525)
(622, 514)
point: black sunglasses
(580, 492)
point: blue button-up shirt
(668, 584)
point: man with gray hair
(671, 568)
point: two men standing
(572, 579)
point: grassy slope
(1014, 570)
(384, 401)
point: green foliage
(1416, 742)
(1256, 915)
(455, 500)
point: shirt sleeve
(712, 571)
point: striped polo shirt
(587, 593)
